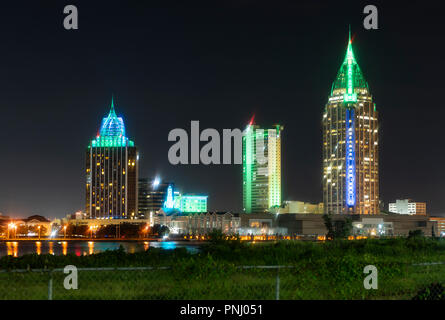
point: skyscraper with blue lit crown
(112, 172)
(350, 143)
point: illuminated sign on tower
(350, 158)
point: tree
(130, 230)
(160, 230)
(106, 231)
(413, 234)
(75, 230)
(216, 236)
(329, 226)
(339, 229)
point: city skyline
(220, 70)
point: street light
(38, 227)
(11, 226)
(92, 228)
(64, 230)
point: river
(81, 247)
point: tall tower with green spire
(112, 172)
(350, 143)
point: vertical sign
(350, 157)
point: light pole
(11, 226)
(64, 232)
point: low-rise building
(301, 207)
(440, 221)
(407, 206)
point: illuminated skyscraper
(261, 168)
(112, 172)
(350, 143)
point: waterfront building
(261, 149)
(407, 206)
(350, 143)
(152, 195)
(190, 203)
(112, 172)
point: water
(79, 248)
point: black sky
(168, 63)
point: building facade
(261, 168)
(407, 206)
(350, 144)
(152, 195)
(301, 207)
(111, 172)
(190, 203)
(440, 221)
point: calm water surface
(18, 248)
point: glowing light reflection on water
(19, 248)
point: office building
(407, 206)
(261, 168)
(350, 143)
(190, 203)
(111, 172)
(152, 195)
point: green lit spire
(349, 77)
(112, 106)
(112, 131)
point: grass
(331, 270)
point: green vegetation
(320, 270)
(338, 229)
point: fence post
(277, 290)
(50, 285)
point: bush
(434, 291)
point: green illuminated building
(189, 203)
(350, 143)
(261, 168)
(112, 172)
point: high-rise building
(261, 168)
(350, 143)
(407, 206)
(112, 172)
(152, 195)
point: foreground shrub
(434, 291)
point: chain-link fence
(416, 281)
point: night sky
(168, 63)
